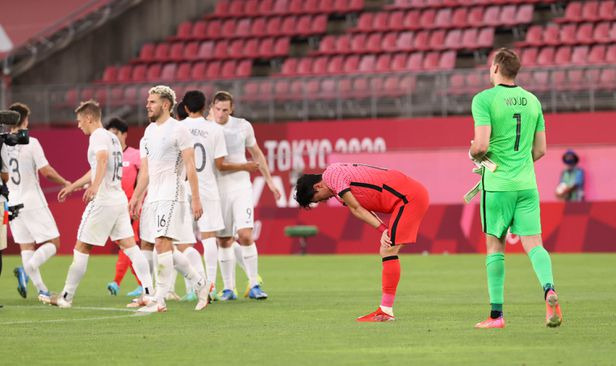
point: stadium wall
(432, 150)
(115, 42)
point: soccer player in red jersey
(364, 190)
(131, 161)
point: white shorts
(211, 220)
(34, 226)
(171, 219)
(101, 222)
(237, 211)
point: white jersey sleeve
(183, 138)
(38, 155)
(5, 159)
(220, 147)
(251, 140)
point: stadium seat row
(567, 55)
(251, 8)
(478, 16)
(290, 25)
(360, 87)
(405, 4)
(332, 65)
(221, 49)
(584, 11)
(569, 34)
(172, 71)
(473, 38)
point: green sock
(495, 268)
(542, 264)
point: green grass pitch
(309, 318)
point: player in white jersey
(167, 155)
(35, 223)
(210, 150)
(235, 190)
(106, 215)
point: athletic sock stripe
(390, 258)
(394, 227)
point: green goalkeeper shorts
(518, 210)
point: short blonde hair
(90, 108)
(164, 92)
(222, 96)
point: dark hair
(194, 100)
(22, 109)
(118, 124)
(222, 96)
(508, 62)
(180, 111)
(570, 157)
(305, 188)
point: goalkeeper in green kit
(510, 130)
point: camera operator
(33, 224)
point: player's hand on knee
(385, 239)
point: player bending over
(510, 130)
(364, 189)
(106, 214)
(35, 223)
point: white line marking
(68, 319)
(74, 307)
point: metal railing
(560, 89)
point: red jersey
(131, 163)
(376, 189)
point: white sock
(210, 255)
(195, 260)
(251, 261)
(239, 256)
(164, 271)
(226, 257)
(33, 273)
(42, 255)
(75, 274)
(141, 267)
(149, 256)
(388, 310)
(174, 277)
(182, 264)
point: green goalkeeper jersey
(514, 115)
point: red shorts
(406, 217)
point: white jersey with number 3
(163, 145)
(239, 135)
(110, 191)
(22, 163)
(209, 145)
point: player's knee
(245, 236)
(225, 242)
(388, 252)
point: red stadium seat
(168, 72)
(319, 24)
(289, 67)
(585, 33)
(414, 62)
(383, 63)
(125, 74)
(485, 38)
(411, 20)
(568, 33)
(227, 70)
(334, 66)
(529, 56)
(288, 25)
(200, 29)
(110, 75)
(459, 17)
(220, 49)
(447, 60)
(534, 36)
(508, 15)
(147, 52)
(427, 18)
(596, 54)
(228, 28)
(573, 12)
(396, 20)
(161, 53)
(326, 6)
(243, 27)
(607, 80)
(351, 64)
(303, 25)
(601, 33)
(389, 42)
(319, 65)
(296, 7)
(579, 55)
(251, 8)
(213, 70)
(184, 30)
(311, 7)
(606, 10)
(206, 50)
(590, 11)
(153, 73)
(610, 54)
(266, 7)
(176, 51)
(524, 14)
(405, 41)
(453, 39)
(563, 55)
(355, 5)
(367, 63)
(327, 45)
(374, 42)
(191, 51)
(258, 28)
(443, 18)
(421, 40)
(381, 21)
(437, 39)
(183, 71)
(139, 73)
(475, 17)
(251, 48)
(222, 7)
(492, 15)
(282, 46)
(358, 43)
(551, 36)
(236, 48)
(236, 7)
(343, 44)
(304, 66)
(398, 63)
(546, 56)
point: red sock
(121, 267)
(390, 279)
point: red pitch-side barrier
(405, 144)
